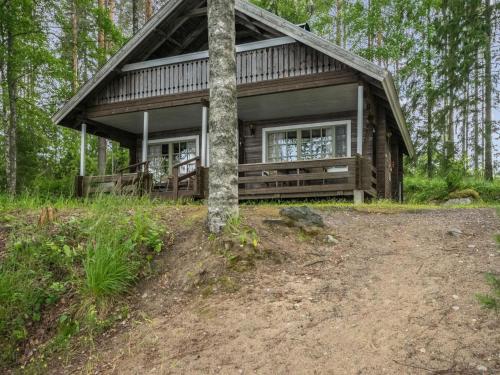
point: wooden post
(359, 138)
(359, 194)
(204, 126)
(83, 147)
(175, 182)
(145, 133)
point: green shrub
(109, 270)
(418, 189)
(491, 301)
(465, 193)
(100, 254)
(454, 176)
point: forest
(443, 54)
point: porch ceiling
(263, 107)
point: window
(163, 154)
(307, 142)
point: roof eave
(392, 97)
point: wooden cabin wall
(383, 154)
(252, 132)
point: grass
(77, 267)
(492, 300)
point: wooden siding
(251, 139)
(265, 64)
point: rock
(458, 201)
(330, 239)
(303, 217)
(455, 232)
(482, 368)
(456, 308)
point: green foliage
(418, 189)
(454, 176)
(491, 301)
(90, 259)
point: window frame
(303, 126)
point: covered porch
(292, 144)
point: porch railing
(124, 182)
(307, 178)
(190, 184)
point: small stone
(145, 295)
(455, 296)
(455, 232)
(482, 368)
(471, 246)
(330, 239)
(422, 350)
(456, 308)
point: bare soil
(396, 295)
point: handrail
(146, 164)
(186, 162)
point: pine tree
(223, 115)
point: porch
(281, 180)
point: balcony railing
(256, 65)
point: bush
(100, 255)
(418, 189)
(491, 301)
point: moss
(465, 193)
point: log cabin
(315, 120)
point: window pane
(341, 141)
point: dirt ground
(396, 295)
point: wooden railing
(137, 183)
(282, 61)
(190, 184)
(307, 178)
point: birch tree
(223, 116)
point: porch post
(83, 147)
(204, 125)
(359, 138)
(359, 195)
(145, 131)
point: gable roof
(273, 21)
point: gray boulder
(303, 217)
(458, 201)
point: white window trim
(177, 139)
(308, 125)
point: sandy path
(397, 295)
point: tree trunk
(148, 10)
(338, 23)
(429, 101)
(475, 120)
(11, 131)
(488, 162)
(74, 47)
(223, 115)
(111, 16)
(135, 16)
(465, 127)
(101, 44)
